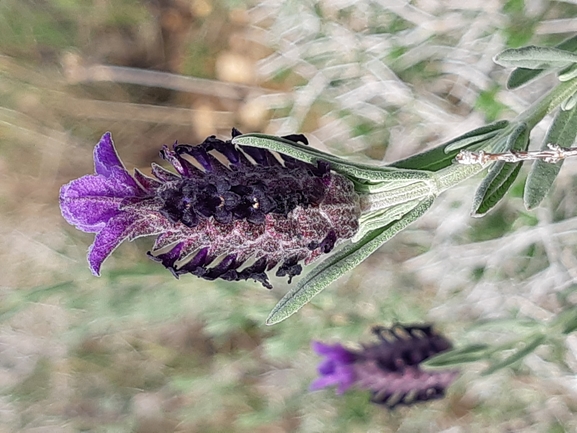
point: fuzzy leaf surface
(521, 76)
(532, 57)
(501, 176)
(562, 132)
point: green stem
(451, 176)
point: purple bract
(228, 212)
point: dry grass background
(138, 351)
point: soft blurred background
(137, 350)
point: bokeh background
(138, 351)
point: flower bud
(229, 212)
(389, 369)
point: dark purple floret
(229, 212)
(390, 369)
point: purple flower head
(336, 369)
(230, 212)
(390, 368)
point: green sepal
(443, 155)
(532, 57)
(472, 353)
(521, 76)
(340, 263)
(562, 132)
(501, 175)
(533, 343)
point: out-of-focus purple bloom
(230, 212)
(390, 368)
(336, 369)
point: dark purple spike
(168, 259)
(296, 138)
(227, 149)
(163, 174)
(257, 272)
(290, 267)
(200, 259)
(197, 152)
(148, 183)
(197, 265)
(328, 243)
(259, 155)
(223, 216)
(322, 169)
(226, 264)
(235, 133)
(403, 346)
(392, 398)
(183, 167)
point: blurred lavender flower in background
(390, 368)
(233, 220)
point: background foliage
(136, 350)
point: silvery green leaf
(476, 135)
(443, 155)
(501, 175)
(510, 324)
(565, 322)
(309, 154)
(521, 76)
(569, 103)
(472, 353)
(529, 347)
(533, 57)
(562, 132)
(340, 263)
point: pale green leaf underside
(533, 57)
(340, 263)
(501, 176)
(562, 132)
(521, 76)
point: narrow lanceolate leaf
(340, 263)
(501, 176)
(472, 353)
(529, 347)
(476, 135)
(521, 76)
(311, 155)
(533, 57)
(443, 155)
(542, 175)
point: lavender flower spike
(233, 220)
(389, 369)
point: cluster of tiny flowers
(389, 369)
(230, 212)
